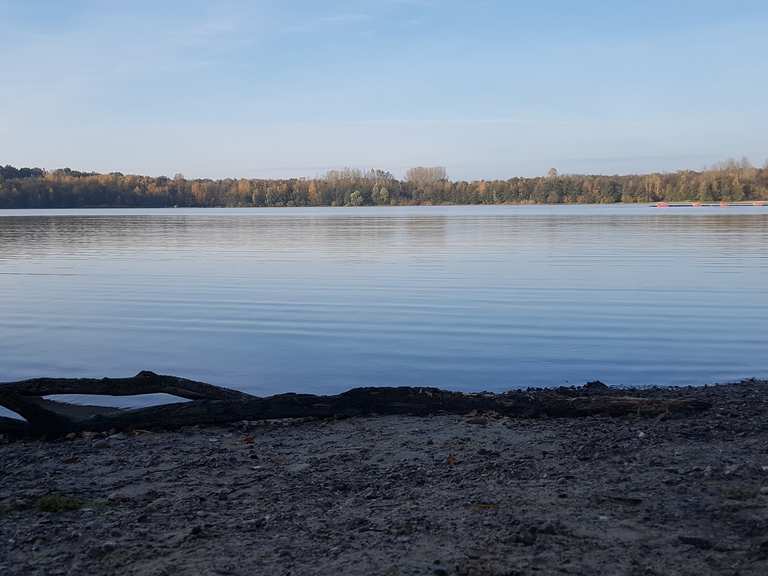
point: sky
(488, 89)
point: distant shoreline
(743, 204)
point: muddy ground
(401, 495)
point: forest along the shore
(472, 494)
(730, 181)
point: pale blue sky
(486, 88)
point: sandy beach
(401, 495)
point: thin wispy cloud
(204, 31)
(327, 21)
(344, 18)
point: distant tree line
(37, 188)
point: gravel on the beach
(401, 495)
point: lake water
(321, 300)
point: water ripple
(320, 300)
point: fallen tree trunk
(13, 427)
(143, 383)
(215, 405)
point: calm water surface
(320, 300)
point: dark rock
(696, 542)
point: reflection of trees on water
(372, 238)
(275, 237)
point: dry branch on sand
(210, 405)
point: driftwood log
(208, 405)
